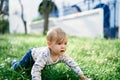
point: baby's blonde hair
(56, 34)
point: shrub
(4, 26)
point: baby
(53, 53)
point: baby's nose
(63, 46)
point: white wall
(85, 24)
(15, 22)
(30, 12)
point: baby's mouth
(62, 51)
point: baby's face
(58, 48)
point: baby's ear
(49, 43)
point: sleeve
(37, 67)
(72, 64)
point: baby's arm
(73, 65)
(36, 69)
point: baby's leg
(26, 62)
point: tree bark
(1, 5)
(46, 22)
(46, 11)
(45, 8)
(22, 16)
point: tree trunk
(45, 8)
(46, 23)
(46, 11)
(22, 17)
(1, 5)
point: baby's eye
(59, 43)
(66, 43)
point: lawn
(99, 59)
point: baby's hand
(89, 79)
(84, 78)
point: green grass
(99, 59)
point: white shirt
(42, 58)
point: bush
(4, 26)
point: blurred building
(111, 11)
